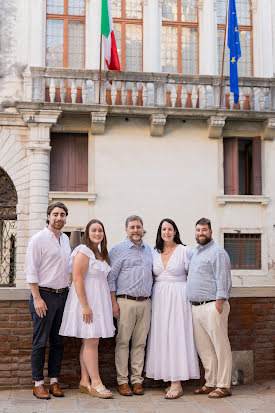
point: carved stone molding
(98, 122)
(269, 129)
(216, 124)
(157, 123)
(43, 116)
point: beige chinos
(212, 343)
(133, 323)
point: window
(65, 33)
(69, 162)
(244, 250)
(180, 36)
(245, 66)
(127, 15)
(242, 166)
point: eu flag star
(236, 29)
(233, 60)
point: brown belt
(129, 297)
(52, 290)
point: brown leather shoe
(138, 389)
(41, 392)
(124, 389)
(55, 390)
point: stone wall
(251, 327)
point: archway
(8, 201)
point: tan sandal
(99, 391)
(201, 390)
(220, 393)
(178, 390)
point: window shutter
(231, 166)
(59, 162)
(78, 163)
(256, 166)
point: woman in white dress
(88, 310)
(171, 353)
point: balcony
(147, 90)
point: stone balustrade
(63, 85)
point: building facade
(161, 139)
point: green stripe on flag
(105, 26)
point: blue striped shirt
(209, 276)
(131, 271)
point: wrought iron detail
(8, 196)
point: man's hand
(40, 306)
(219, 305)
(115, 309)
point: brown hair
(56, 205)
(204, 221)
(103, 245)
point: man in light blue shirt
(208, 288)
(130, 282)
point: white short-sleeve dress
(98, 297)
(171, 353)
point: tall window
(180, 36)
(242, 166)
(244, 250)
(65, 33)
(127, 15)
(245, 63)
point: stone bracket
(216, 124)
(269, 129)
(48, 117)
(98, 120)
(157, 123)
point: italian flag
(107, 31)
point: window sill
(90, 197)
(242, 199)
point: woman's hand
(87, 315)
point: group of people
(171, 298)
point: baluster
(144, 94)
(251, 98)
(134, 94)
(52, 90)
(62, 90)
(84, 91)
(241, 98)
(183, 96)
(194, 96)
(73, 91)
(209, 96)
(113, 92)
(124, 93)
(203, 97)
(261, 99)
(231, 100)
(173, 95)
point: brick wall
(251, 327)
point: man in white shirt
(47, 272)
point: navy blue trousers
(47, 328)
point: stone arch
(8, 196)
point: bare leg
(85, 378)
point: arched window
(180, 36)
(245, 63)
(127, 16)
(65, 40)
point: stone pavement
(256, 398)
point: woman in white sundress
(171, 353)
(88, 310)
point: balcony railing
(145, 89)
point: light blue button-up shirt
(131, 271)
(209, 276)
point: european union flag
(233, 42)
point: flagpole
(99, 83)
(223, 54)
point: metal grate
(7, 252)
(244, 250)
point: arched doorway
(8, 201)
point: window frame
(66, 18)
(239, 236)
(179, 24)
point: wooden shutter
(256, 166)
(69, 162)
(231, 166)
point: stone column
(207, 37)
(93, 19)
(37, 31)
(152, 23)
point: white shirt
(47, 261)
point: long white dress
(171, 353)
(98, 297)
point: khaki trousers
(133, 323)
(212, 343)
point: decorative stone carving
(269, 131)
(216, 124)
(157, 123)
(98, 122)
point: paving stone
(5, 394)
(61, 404)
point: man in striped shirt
(130, 282)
